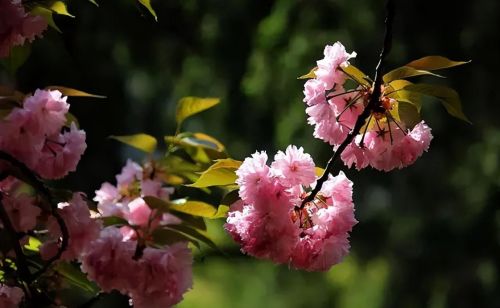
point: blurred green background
(428, 235)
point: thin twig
(374, 102)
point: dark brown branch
(13, 238)
(373, 103)
(32, 178)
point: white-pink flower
(329, 71)
(294, 167)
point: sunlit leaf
(434, 63)
(143, 142)
(46, 14)
(70, 118)
(357, 75)
(222, 172)
(60, 8)
(17, 57)
(195, 140)
(448, 97)
(94, 2)
(33, 244)
(309, 75)
(73, 92)
(74, 276)
(405, 72)
(397, 91)
(318, 171)
(189, 106)
(221, 211)
(195, 208)
(147, 4)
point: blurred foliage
(429, 235)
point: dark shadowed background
(428, 235)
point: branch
(13, 238)
(373, 103)
(33, 179)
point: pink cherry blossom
(110, 263)
(61, 153)
(10, 297)
(82, 230)
(253, 175)
(328, 70)
(139, 213)
(165, 275)
(272, 224)
(48, 109)
(17, 26)
(21, 207)
(294, 167)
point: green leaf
(70, 118)
(169, 237)
(196, 222)
(405, 72)
(357, 75)
(193, 233)
(196, 140)
(396, 90)
(114, 221)
(17, 57)
(318, 171)
(189, 106)
(309, 75)
(434, 63)
(195, 208)
(60, 8)
(73, 92)
(33, 244)
(157, 203)
(74, 276)
(147, 4)
(448, 97)
(94, 2)
(143, 142)
(46, 14)
(223, 172)
(408, 114)
(221, 211)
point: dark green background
(428, 235)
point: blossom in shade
(269, 222)
(110, 261)
(10, 297)
(32, 134)
(17, 26)
(21, 207)
(82, 230)
(164, 276)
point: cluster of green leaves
(191, 159)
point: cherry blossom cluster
(127, 258)
(17, 26)
(10, 297)
(35, 134)
(269, 222)
(384, 143)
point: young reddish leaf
(434, 63)
(73, 92)
(147, 4)
(189, 106)
(406, 72)
(143, 142)
(309, 75)
(448, 97)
